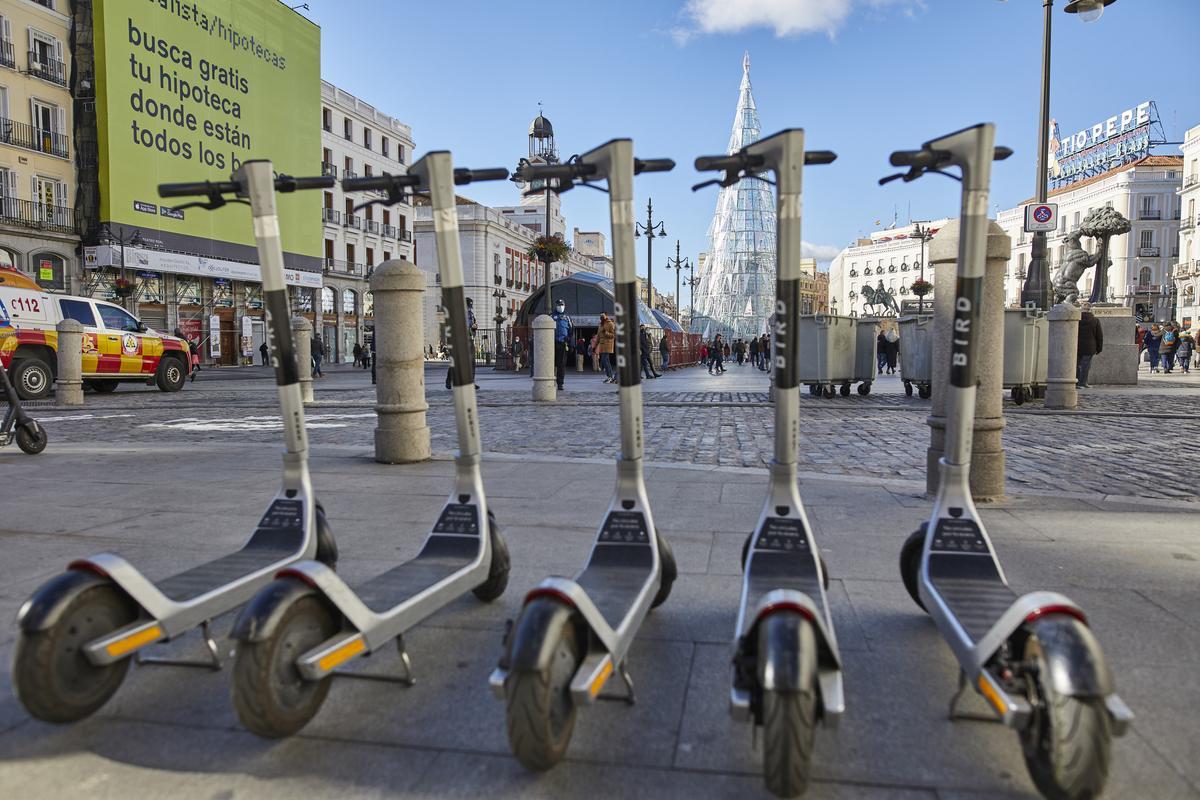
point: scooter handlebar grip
(819, 157)
(379, 182)
(462, 176)
(1002, 153)
(195, 188)
(552, 171)
(286, 183)
(653, 165)
(715, 163)
(911, 158)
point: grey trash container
(866, 355)
(827, 346)
(916, 354)
(1025, 352)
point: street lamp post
(1036, 290)
(133, 240)
(651, 229)
(924, 234)
(678, 265)
(499, 295)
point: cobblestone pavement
(1108, 447)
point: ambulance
(116, 345)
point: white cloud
(823, 253)
(785, 17)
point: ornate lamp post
(1036, 290)
(924, 235)
(541, 151)
(651, 229)
(119, 238)
(678, 265)
(499, 295)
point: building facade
(37, 149)
(357, 140)
(1146, 192)
(891, 257)
(1187, 267)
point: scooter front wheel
(31, 442)
(52, 677)
(910, 563)
(497, 579)
(272, 698)
(789, 716)
(1067, 745)
(540, 711)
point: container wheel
(864, 389)
(908, 388)
(1018, 395)
(924, 392)
(844, 389)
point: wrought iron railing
(354, 221)
(48, 69)
(331, 215)
(372, 226)
(31, 214)
(405, 235)
(389, 231)
(19, 134)
(1149, 213)
(8, 57)
(329, 170)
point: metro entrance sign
(1041, 217)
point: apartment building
(1186, 270)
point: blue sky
(863, 77)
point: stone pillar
(302, 333)
(544, 387)
(1117, 364)
(987, 451)
(69, 390)
(402, 433)
(1060, 366)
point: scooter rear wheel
(52, 677)
(910, 563)
(31, 442)
(1067, 746)
(497, 579)
(272, 698)
(540, 710)
(789, 716)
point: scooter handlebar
(918, 159)
(717, 163)
(287, 183)
(380, 183)
(641, 165)
(560, 171)
(196, 188)
(813, 157)
(462, 175)
(1002, 153)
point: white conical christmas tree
(737, 289)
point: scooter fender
(1074, 661)
(781, 640)
(43, 610)
(529, 650)
(260, 617)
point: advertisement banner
(183, 264)
(214, 336)
(187, 91)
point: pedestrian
(727, 352)
(644, 351)
(1168, 346)
(764, 353)
(718, 355)
(606, 340)
(265, 352)
(880, 352)
(1187, 346)
(891, 349)
(357, 351)
(754, 351)
(365, 357)
(593, 353)
(1152, 340)
(664, 350)
(518, 349)
(1091, 343)
(562, 341)
(472, 328)
(318, 353)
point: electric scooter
(30, 436)
(1032, 658)
(573, 634)
(79, 629)
(296, 633)
(786, 666)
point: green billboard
(187, 91)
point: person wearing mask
(644, 348)
(518, 349)
(1151, 341)
(1168, 346)
(562, 341)
(1091, 342)
(1187, 346)
(318, 353)
(606, 342)
(754, 351)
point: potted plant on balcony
(549, 249)
(921, 287)
(123, 287)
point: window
(387, 256)
(387, 217)
(8, 258)
(349, 256)
(1147, 239)
(327, 300)
(349, 300)
(46, 57)
(367, 171)
(49, 270)
(400, 153)
(117, 319)
(385, 146)
(368, 304)
(327, 119)
(349, 209)
(1144, 276)
(370, 256)
(367, 137)
(79, 311)
(348, 129)
(187, 290)
(348, 164)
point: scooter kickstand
(213, 661)
(408, 679)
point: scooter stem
(259, 179)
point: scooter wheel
(670, 571)
(1068, 744)
(272, 698)
(327, 549)
(497, 579)
(52, 677)
(788, 716)
(910, 563)
(31, 442)
(908, 388)
(540, 712)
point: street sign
(1041, 217)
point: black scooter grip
(379, 182)
(652, 165)
(286, 183)
(463, 175)
(920, 159)
(819, 157)
(1002, 153)
(195, 188)
(714, 163)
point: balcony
(405, 235)
(8, 57)
(48, 69)
(1187, 223)
(348, 174)
(1191, 180)
(354, 221)
(333, 265)
(328, 170)
(372, 226)
(1148, 252)
(29, 214)
(19, 134)
(389, 231)
(1149, 213)
(331, 215)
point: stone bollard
(402, 433)
(69, 389)
(544, 388)
(302, 334)
(987, 450)
(1060, 366)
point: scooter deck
(619, 567)
(782, 559)
(441, 557)
(964, 572)
(279, 538)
